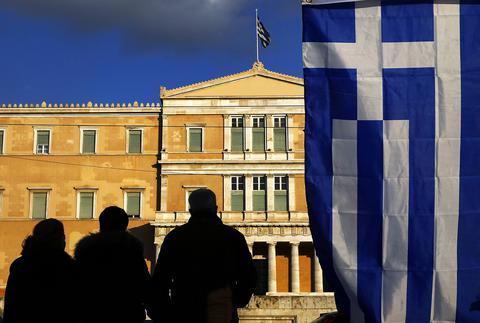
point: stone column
(295, 267)
(291, 193)
(247, 121)
(226, 132)
(227, 197)
(272, 268)
(318, 276)
(163, 193)
(164, 148)
(290, 137)
(269, 132)
(270, 193)
(248, 192)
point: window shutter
(237, 139)
(258, 139)
(279, 139)
(195, 144)
(39, 207)
(86, 205)
(133, 204)
(280, 200)
(135, 141)
(1, 142)
(237, 201)
(42, 137)
(88, 142)
(259, 203)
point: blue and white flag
(393, 156)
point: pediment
(257, 82)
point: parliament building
(239, 135)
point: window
(258, 134)
(89, 138)
(237, 198)
(2, 138)
(281, 193)
(86, 205)
(39, 205)
(280, 133)
(237, 134)
(133, 201)
(135, 141)
(259, 196)
(43, 142)
(195, 139)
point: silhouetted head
(113, 218)
(47, 235)
(203, 203)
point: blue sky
(74, 51)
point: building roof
(255, 82)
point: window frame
(283, 182)
(127, 141)
(2, 144)
(202, 134)
(47, 202)
(234, 121)
(35, 137)
(256, 125)
(86, 190)
(260, 182)
(235, 188)
(277, 124)
(125, 201)
(82, 130)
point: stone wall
(286, 309)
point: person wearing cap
(204, 270)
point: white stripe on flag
(417, 54)
(344, 215)
(448, 116)
(395, 220)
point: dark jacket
(114, 277)
(196, 260)
(41, 288)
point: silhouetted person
(204, 270)
(113, 274)
(41, 285)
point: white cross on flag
(392, 142)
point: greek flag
(393, 155)
(263, 34)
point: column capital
(272, 243)
(226, 116)
(295, 243)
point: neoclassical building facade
(240, 135)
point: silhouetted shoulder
(108, 240)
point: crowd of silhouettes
(204, 272)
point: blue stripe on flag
(409, 93)
(329, 23)
(370, 217)
(468, 261)
(407, 21)
(319, 172)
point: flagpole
(256, 32)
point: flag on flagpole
(262, 33)
(393, 156)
